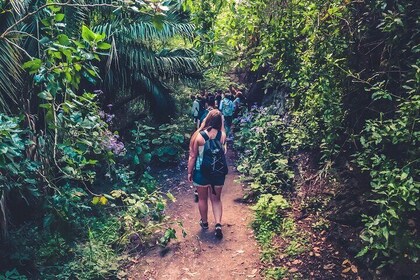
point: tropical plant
(140, 65)
(349, 73)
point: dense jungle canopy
(95, 95)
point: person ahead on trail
(195, 110)
(227, 108)
(210, 106)
(239, 100)
(206, 173)
(218, 98)
(202, 103)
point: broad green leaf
(59, 17)
(139, 150)
(136, 160)
(63, 39)
(33, 65)
(45, 95)
(104, 46)
(147, 157)
(87, 34)
(95, 200)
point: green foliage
(351, 74)
(143, 55)
(390, 235)
(208, 16)
(268, 209)
(94, 209)
(79, 238)
(213, 81)
(276, 273)
(12, 275)
(16, 172)
(264, 157)
(321, 224)
(298, 242)
(84, 138)
(163, 144)
(65, 61)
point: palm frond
(19, 6)
(75, 16)
(10, 71)
(147, 31)
(161, 102)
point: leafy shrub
(17, 172)
(12, 275)
(390, 155)
(264, 157)
(94, 209)
(268, 212)
(276, 273)
(163, 144)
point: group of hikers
(207, 167)
(229, 103)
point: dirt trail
(200, 255)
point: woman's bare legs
(216, 204)
(202, 202)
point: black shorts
(200, 179)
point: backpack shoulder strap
(205, 136)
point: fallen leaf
(329, 266)
(317, 255)
(353, 268)
(240, 251)
(296, 262)
(293, 270)
(346, 270)
(346, 261)
(254, 271)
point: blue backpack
(227, 107)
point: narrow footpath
(200, 255)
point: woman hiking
(208, 185)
